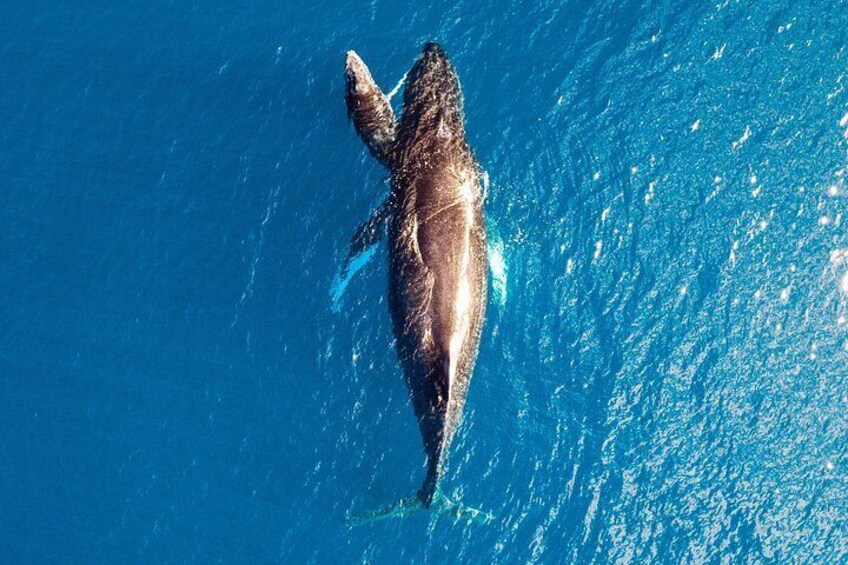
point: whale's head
(432, 101)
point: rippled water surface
(665, 382)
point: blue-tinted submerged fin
(441, 506)
(401, 509)
(460, 512)
(344, 276)
(362, 249)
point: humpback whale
(433, 217)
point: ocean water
(665, 381)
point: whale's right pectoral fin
(369, 232)
(362, 247)
(369, 108)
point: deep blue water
(666, 381)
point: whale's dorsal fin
(369, 108)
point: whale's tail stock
(428, 499)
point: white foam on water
(397, 87)
(745, 136)
(497, 264)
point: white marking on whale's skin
(462, 302)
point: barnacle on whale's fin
(369, 108)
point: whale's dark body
(437, 240)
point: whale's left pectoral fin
(369, 109)
(370, 231)
(362, 248)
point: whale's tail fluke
(369, 108)
(440, 505)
